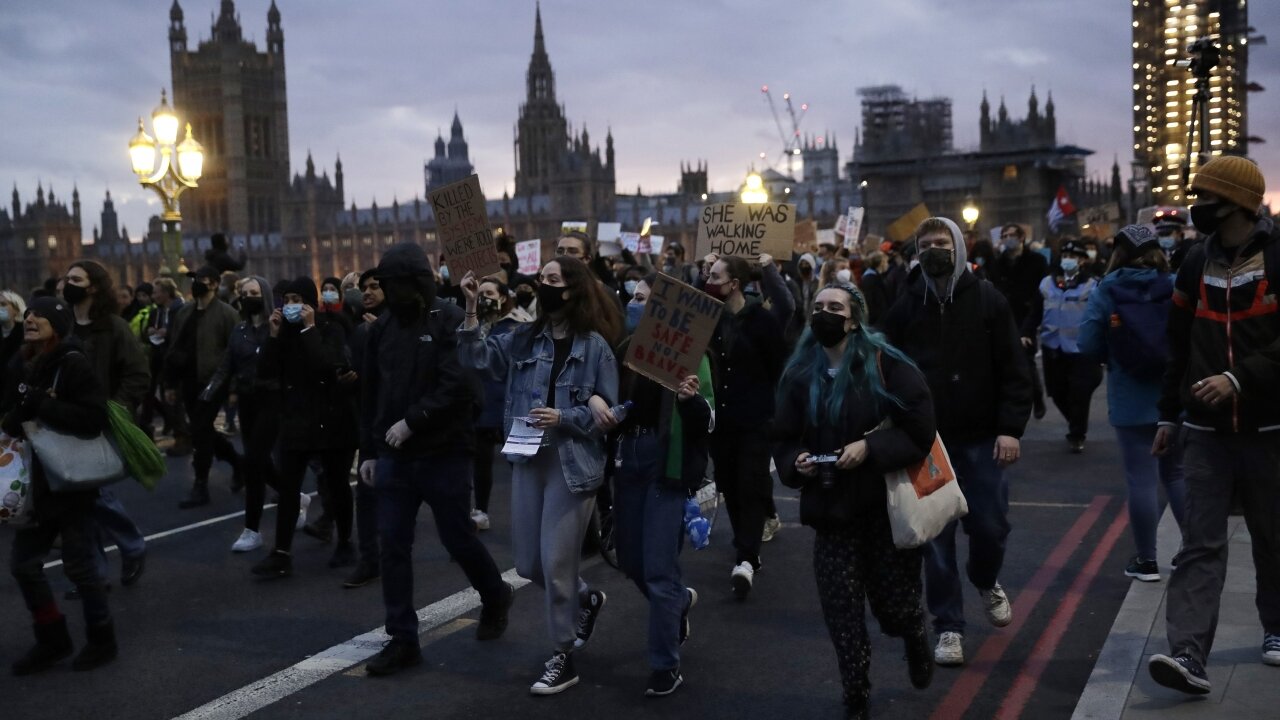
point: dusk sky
(675, 80)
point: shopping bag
(72, 463)
(140, 455)
(15, 483)
(923, 498)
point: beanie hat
(1134, 237)
(57, 312)
(1234, 179)
(145, 287)
(304, 287)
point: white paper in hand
(524, 438)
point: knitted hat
(57, 312)
(1134, 237)
(1232, 178)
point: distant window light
(53, 243)
(1010, 173)
(31, 243)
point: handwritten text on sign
(746, 229)
(672, 337)
(463, 227)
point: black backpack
(1139, 327)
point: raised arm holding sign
(462, 225)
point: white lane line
(178, 530)
(1048, 505)
(257, 695)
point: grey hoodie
(961, 256)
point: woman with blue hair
(851, 408)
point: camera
(1204, 56)
(826, 469)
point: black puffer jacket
(747, 351)
(316, 413)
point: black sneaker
(684, 617)
(493, 620)
(587, 617)
(394, 656)
(364, 574)
(558, 676)
(276, 565)
(1181, 673)
(1076, 445)
(919, 659)
(1144, 570)
(131, 569)
(663, 682)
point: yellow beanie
(1233, 179)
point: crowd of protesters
(412, 380)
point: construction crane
(790, 142)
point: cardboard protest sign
(827, 237)
(806, 237)
(463, 228)
(569, 226)
(905, 227)
(612, 248)
(529, 256)
(853, 226)
(746, 229)
(672, 337)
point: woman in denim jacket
(561, 376)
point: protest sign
(746, 229)
(853, 226)
(672, 337)
(827, 237)
(630, 241)
(608, 232)
(648, 243)
(905, 227)
(569, 226)
(806, 237)
(463, 228)
(529, 256)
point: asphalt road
(199, 627)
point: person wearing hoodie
(1070, 376)
(804, 287)
(960, 332)
(53, 382)
(417, 441)
(305, 354)
(1126, 326)
(219, 255)
(1222, 386)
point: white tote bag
(923, 498)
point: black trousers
(860, 565)
(32, 544)
(487, 442)
(742, 473)
(205, 440)
(260, 423)
(1070, 379)
(335, 477)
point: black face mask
(937, 262)
(1207, 217)
(74, 294)
(828, 328)
(488, 307)
(524, 298)
(250, 306)
(199, 289)
(551, 299)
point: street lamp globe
(164, 121)
(142, 152)
(753, 191)
(969, 213)
(190, 157)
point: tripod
(1199, 119)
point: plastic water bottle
(620, 411)
(696, 525)
(536, 402)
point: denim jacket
(523, 362)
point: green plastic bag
(140, 455)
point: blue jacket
(495, 391)
(1063, 309)
(523, 360)
(1130, 400)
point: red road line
(958, 699)
(1016, 701)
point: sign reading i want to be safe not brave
(672, 337)
(746, 229)
(463, 228)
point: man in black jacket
(368, 568)
(959, 331)
(1017, 275)
(417, 409)
(1222, 385)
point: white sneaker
(996, 604)
(249, 540)
(741, 577)
(481, 519)
(304, 505)
(771, 527)
(950, 649)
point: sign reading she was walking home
(746, 229)
(463, 228)
(672, 337)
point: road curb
(1120, 661)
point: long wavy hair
(104, 300)
(859, 369)
(589, 308)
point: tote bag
(923, 498)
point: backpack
(1138, 332)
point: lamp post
(180, 166)
(753, 190)
(970, 212)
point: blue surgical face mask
(635, 310)
(1168, 242)
(1070, 265)
(330, 297)
(4, 315)
(292, 312)
(630, 286)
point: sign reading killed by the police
(672, 337)
(463, 228)
(746, 229)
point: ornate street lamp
(970, 212)
(753, 191)
(180, 166)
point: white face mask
(845, 276)
(1093, 254)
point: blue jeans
(111, 520)
(987, 525)
(1144, 474)
(444, 484)
(648, 531)
(367, 524)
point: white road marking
(1048, 505)
(257, 695)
